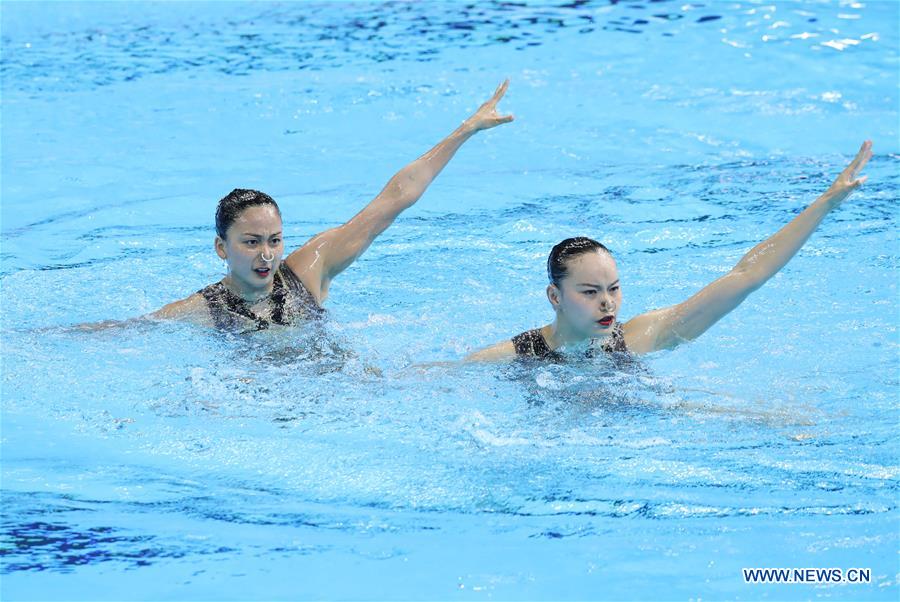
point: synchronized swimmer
(260, 289)
(586, 295)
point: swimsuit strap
(531, 343)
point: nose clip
(269, 259)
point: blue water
(172, 462)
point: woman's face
(253, 248)
(588, 298)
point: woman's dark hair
(235, 203)
(557, 267)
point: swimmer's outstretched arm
(328, 254)
(669, 327)
(192, 309)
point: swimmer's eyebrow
(260, 235)
(596, 285)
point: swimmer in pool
(261, 289)
(585, 293)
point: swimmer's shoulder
(305, 264)
(651, 331)
(191, 309)
(503, 351)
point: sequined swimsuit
(291, 303)
(531, 344)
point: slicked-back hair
(232, 205)
(557, 263)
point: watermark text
(807, 575)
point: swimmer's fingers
(858, 163)
(498, 94)
(501, 119)
(491, 103)
(486, 116)
(851, 173)
(500, 91)
(478, 121)
(849, 178)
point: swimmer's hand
(849, 179)
(486, 117)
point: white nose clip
(268, 259)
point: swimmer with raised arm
(260, 289)
(585, 293)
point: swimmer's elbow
(748, 278)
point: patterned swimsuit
(531, 344)
(291, 303)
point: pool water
(174, 462)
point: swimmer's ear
(553, 295)
(220, 248)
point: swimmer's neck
(249, 295)
(559, 334)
